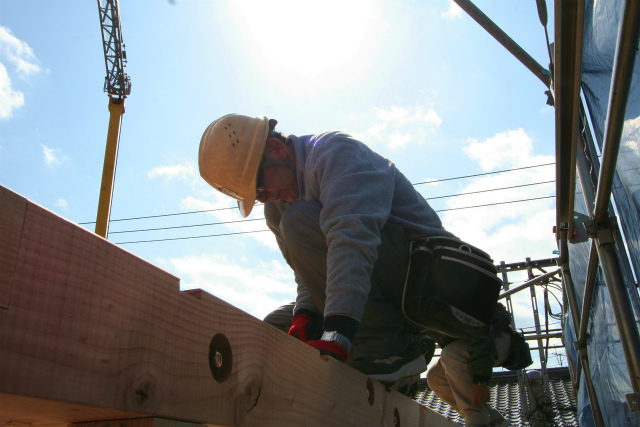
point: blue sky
(419, 81)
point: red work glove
(330, 348)
(339, 332)
(302, 326)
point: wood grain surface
(90, 332)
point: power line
(483, 174)
(245, 220)
(486, 191)
(159, 216)
(262, 231)
(184, 226)
(418, 183)
(194, 237)
(495, 204)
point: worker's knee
(454, 354)
(436, 375)
(281, 317)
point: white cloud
(511, 148)
(184, 171)
(404, 115)
(18, 53)
(21, 57)
(257, 290)
(62, 203)
(396, 140)
(10, 99)
(453, 12)
(52, 156)
(509, 231)
(398, 127)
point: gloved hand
(330, 348)
(302, 326)
(338, 334)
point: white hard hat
(229, 157)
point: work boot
(496, 419)
(407, 386)
(399, 373)
(500, 422)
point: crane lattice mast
(117, 83)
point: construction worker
(343, 217)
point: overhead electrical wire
(261, 231)
(159, 216)
(495, 204)
(417, 183)
(493, 189)
(186, 226)
(257, 219)
(482, 174)
(194, 237)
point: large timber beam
(90, 332)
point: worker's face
(278, 182)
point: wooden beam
(13, 208)
(92, 333)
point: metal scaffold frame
(575, 154)
(526, 399)
(607, 250)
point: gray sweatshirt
(360, 191)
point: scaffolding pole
(538, 70)
(529, 283)
(624, 62)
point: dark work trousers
(384, 331)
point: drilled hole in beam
(220, 358)
(370, 391)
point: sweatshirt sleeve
(355, 186)
(273, 213)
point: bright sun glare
(309, 47)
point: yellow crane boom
(118, 85)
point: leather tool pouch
(451, 288)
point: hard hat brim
(246, 208)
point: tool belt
(451, 288)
